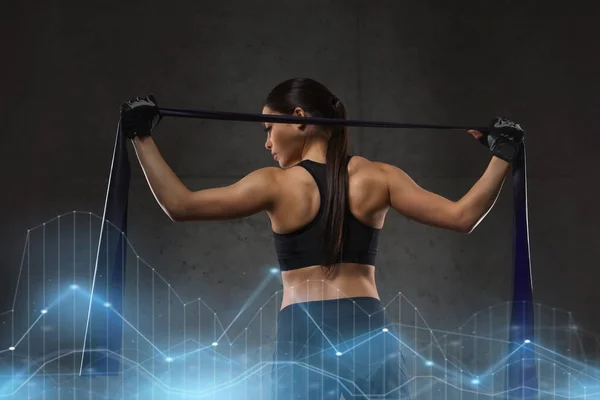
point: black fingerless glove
(139, 116)
(504, 138)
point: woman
(326, 210)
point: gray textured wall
(71, 64)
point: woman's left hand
(140, 116)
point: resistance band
(104, 327)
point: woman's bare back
(299, 203)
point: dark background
(68, 66)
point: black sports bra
(302, 248)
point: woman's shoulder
(363, 171)
(363, 164)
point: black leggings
(326, 348)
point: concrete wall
(72, 63)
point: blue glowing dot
(475, 381)
(74, 287)
(44, 311)
(12, 348)
(107, 304)
(274, 270)
(215, 344)
(429, 363)
(385, 329)
(527, 341)
(169, 359)
(337, 353)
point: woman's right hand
(504, 138)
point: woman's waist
(300, 287)
(334, 308)
(346, 275)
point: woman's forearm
(479, 200)
(164, 184)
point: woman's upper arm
(416, 203)
(252, 194)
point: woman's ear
(299, 112)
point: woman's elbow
(463, 224)
(181, 215)
(180, 210)
(468, 226)
(174, 217)
(175, 214)
(461, 227)
(467, 229)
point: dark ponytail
(315, 99)
(337, 192)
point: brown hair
(314, 98)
